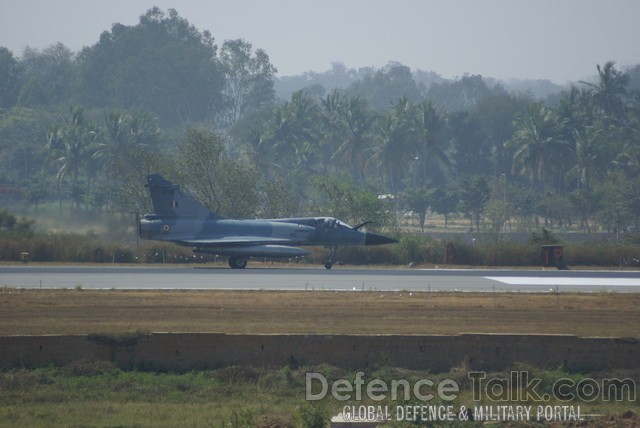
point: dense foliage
(83, 129)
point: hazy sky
(543, 39)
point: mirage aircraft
(179, 218)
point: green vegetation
(417, 249)
(99, 394)
(11, 227)
(81, 130)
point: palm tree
(588, 156)
(261, 153)
(294, 135)
(355, 121)
(575, 111)
(123, 133)
(54, 147)
(629, 157)
(116, 137)
(611, 90)
(143, 129)
(72, 148)
(537, 143)
(392, 144)
(429, 123)
(333, 128)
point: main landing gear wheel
(329, 260)
(237, 262)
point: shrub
(411, 248)
(421, 249)
(273, 422)
(313, 416)
(122, 254)
(367, 255)
(544, 237)
(601, 254)
(508, 254)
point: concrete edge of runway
(345, 279)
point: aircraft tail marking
(171, 202)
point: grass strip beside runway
(76, 311)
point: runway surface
(354, 279)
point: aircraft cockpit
(331, 223)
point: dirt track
(85, 311)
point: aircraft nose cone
(375, 239)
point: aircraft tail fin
(169, 201)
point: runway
(340, 279)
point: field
(100, 394)
(77, 311)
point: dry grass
(90, 311)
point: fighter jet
(179, 218)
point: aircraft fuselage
(320, 231)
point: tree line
(84, 129)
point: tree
(115, 137)
(634, 201)
(473, 193)
(279, 200)
(348, 122)
(227, 186)
(538, 148)
(418, 201)
(249, 78)
(334, 131)
(21, 134)
(11, 78)
(617, 197)
(124, 191)
(525, 204)
(444, 202)
(575, 117)
(11, 226)
(611, 90)
(340, 198)
(629, 156)
(497, 115)
(382, 87)
(575, 111)
(590, 152)
(585, 203)
(471, 149)
(115, 153)
(163, 65)
(36, 189)
(49, 75)
(429, 124)
(70, 150)
(499, 208)
(461, 94)
(391, 148)
(293, 136)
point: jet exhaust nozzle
(148, 228)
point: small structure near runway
(553, 256)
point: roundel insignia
(166, 228)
